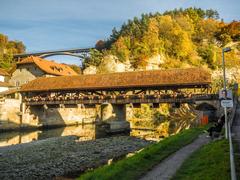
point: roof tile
(155, 78)
(49, 67)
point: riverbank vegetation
(211, 162)
(137, 165)
(165, 120)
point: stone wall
(58, 115)
(215, 103)
(14, 115)
(10, 114)
(62, 115)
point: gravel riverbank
(61, 156)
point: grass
(134, 167)
(210, 162)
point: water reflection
(11, 138)
(148, 134)
(84, 132)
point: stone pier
(57, 115)
(115, 116)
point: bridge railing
(126, 99)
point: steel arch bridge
(77, 52)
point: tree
(207, 53)
(206, 30)
(94, 59)
(213, 14)
(121, 48)
(8, 49)
(184, 37)
(228, 32)
(100, 45)
(76, 68)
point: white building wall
(3, 89)
(2, 78)
(25, 73)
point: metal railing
(231, 151)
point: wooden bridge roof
(161, 79)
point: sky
(65, 24)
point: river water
(84, 132)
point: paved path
(167, 168)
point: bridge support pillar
(106, 112)
(115, 116)
(119, 124)
(23, 108)
(45, 107)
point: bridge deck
(76, 50)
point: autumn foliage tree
(190, 36)
(8, 49)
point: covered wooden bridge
(157, 86)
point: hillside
(178, 38)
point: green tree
(94, 59)
(210, 13)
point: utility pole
(227, 49)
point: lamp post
(226, 49)
(227, 126)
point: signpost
(227, 103)
(226, 98)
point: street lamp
(226, 49)
(228, 130)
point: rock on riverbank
(62, 156)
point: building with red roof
(32, 67)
